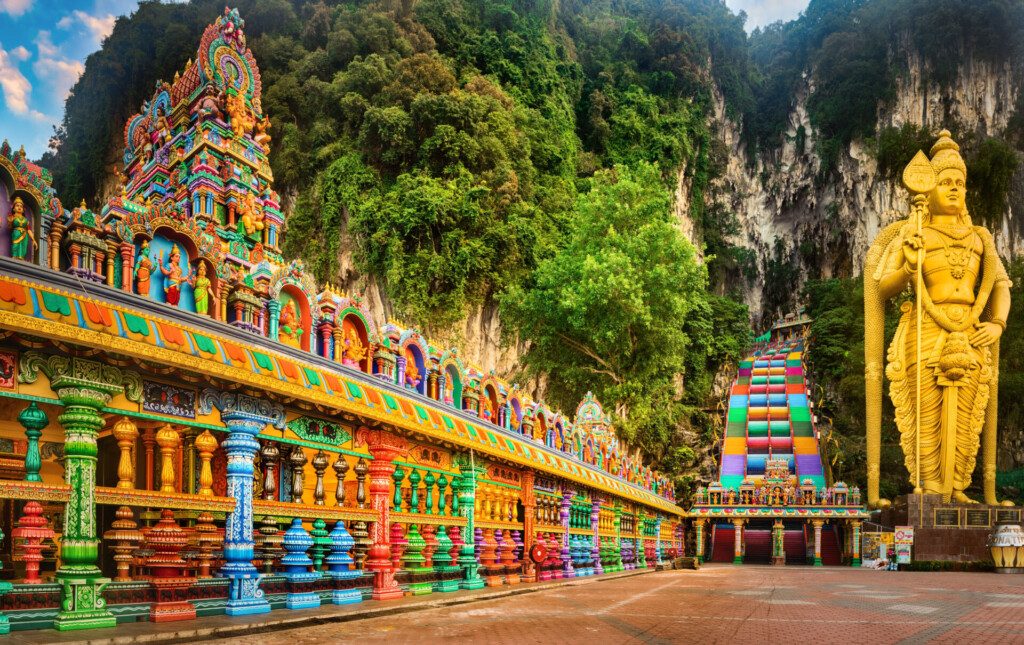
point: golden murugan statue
(963, 298)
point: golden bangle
(908, 270)
(1001, 323)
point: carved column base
(345, 590)
(171, 601)
(85, 607)
(245, 597)
(301, 594)
(5, 624)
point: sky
(44, 44)
(764, 12)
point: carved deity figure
(486, 411)
(162, 131)
(449, 391)
(289, 329)
(173, 276)
(212, 104)
(21, 231)
(262, 137)
(943, 384)
(143, 270)
(354, 350)
(242, 120)
(202, 290)
(251, 221)
(412, 374)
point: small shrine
(772, 502)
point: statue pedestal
(948, 531)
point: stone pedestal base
(779, 560)
(948, 531)
(84, 605)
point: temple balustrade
(190, 426)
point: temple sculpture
(942, 364)
(190, 426)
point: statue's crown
(946, 154)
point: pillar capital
(79, 381)
(384, 446)
(242, 413)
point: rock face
(827, 223)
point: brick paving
(718, 604)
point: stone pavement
(719, 604)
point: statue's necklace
(958, 254)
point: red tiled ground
(719, 604)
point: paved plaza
(719, 604)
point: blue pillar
(245, 417)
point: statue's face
(950, 193)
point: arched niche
(452, 391)
(415, 376)
(294, 319)
(34, 202)
(540, 427)
(293, 296)
(489, 402)
(162, 248)
(356, 351)
(515, 407)
(560, 438)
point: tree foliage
(622, 309)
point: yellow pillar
(737, 557)
(817, 541)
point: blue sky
(44, 44)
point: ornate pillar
(855, 526)
(84, 387)
(465, 491)
(567, 570)
(33, 420)
(659, 556)
(595, 550)
(778, 544)
(529, 499)
(245, 417)
(698, 537)
(127, 251)
(737, 557)
(384, 447)
(274, 307)
(817, 541)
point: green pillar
(33, 420)
(84, 387)
(466, 492)
(5, 587)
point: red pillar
(384, 447)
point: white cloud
(99, 27)
(764, 12)
(57, 70)
(15, 7)
(16, 88)
(21, 53)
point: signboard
(1008, 515)
(947, 518)
(977, 518)
(874, 549)
(903, 540)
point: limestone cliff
(824, 223)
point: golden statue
(962, 300)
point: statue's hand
(911, 247)
(985, 334)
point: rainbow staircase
(769, 418)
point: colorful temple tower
(190, 427)
(772, 501)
